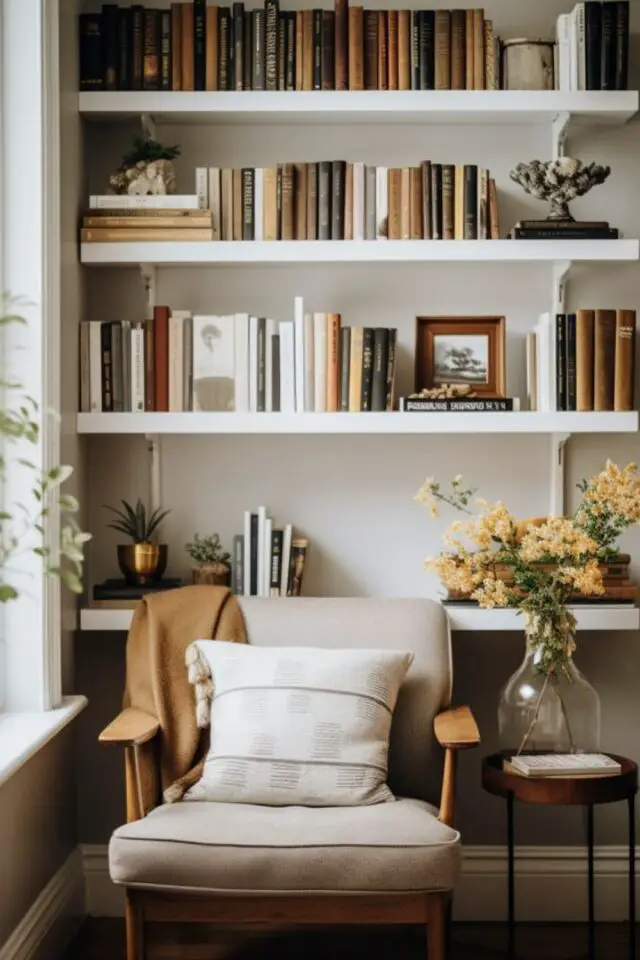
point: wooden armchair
(240, 863)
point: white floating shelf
(355, 423)
(366, 106)
(462, 617)
(590, 617)
(224, 253)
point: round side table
(567, 791)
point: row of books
(582, 361)
(328, 200)
(177, 362)
(197, 46)
(267, 560)
(592, 50)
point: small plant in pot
(213, 561)
(142, 561)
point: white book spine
(202, 187)
(95, 365)
(241, 362)
(258, 203)
(262, 518)
(270, 332)
(286, 559)
(563, 37)
(247, 553)
(287, 367)
(176, 363)
(156, 202)
(268, 529)
(137, 369)
(298, 315)
(320, 362)
(358, 201)
(214, 202)
(573, 48)
(382, 203)
(309, 367)
(253, 364)
(581, 21)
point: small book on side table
(563, 765)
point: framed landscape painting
(467, 351)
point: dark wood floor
(104, 940)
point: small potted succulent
(142, 562)
(213, 561)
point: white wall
(353, 496)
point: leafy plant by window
(23, 525)
(207, 549)
(137, 522)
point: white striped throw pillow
(295, 725)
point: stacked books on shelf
(582, 361)
(199, 46)
(137, 219)
(563, 230)
(118, 594)
(267, 560)
(419, 404)
(592, 46)
(179, 362)
(337, 200)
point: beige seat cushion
(232, 848)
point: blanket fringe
(199, 674)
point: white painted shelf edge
(602, 617)
(355, 423)
(366, 106)
(194, 253)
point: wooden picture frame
(485, 369)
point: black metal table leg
(632, 877)
(592, 928)
(511, 878)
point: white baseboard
(48, 927)
(551, 884)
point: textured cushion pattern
(234, 848)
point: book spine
(176, 46)
(370, 49)
(367, 369)
(317, 49)
(593, 26)
(291, 51)
(309, 364)
(117, 367)
(276, 563)
(470, 202)
(604, 359)
(464, 405)
(171, 201)
(265, 529)
(212, 41)
(369, 203)
(324, 200)
(624, 363)
(490, 65)
(338, 199)
(478, 50)
(286, 558)
(448, 204)
(107, 368)
(393, 51)
(391, 369)
(202, 188)
(383, 51)
(622, 44)
(238, 21)
(380, 360)
(494, 214)
(165, 50)
(425, 178)
(237, 578)
(356, 48)
(261, 395)
(436, 201)
(405, 204)
(427, 49)
(299, 353)
(161, 358)
(355, 369)
(96, 373)
(275, 373)
(394, 187)
(341, 36)
(248, 221)
(570, 361)
(404, 50)
(258, 22)
(253, 557)
(299, 548)
(382, 203)
(137, 369)
(281, 43)
(110, 46)
(151, 65)
(247, 50)
(126, 365)
(199, 44)
(483, 204)
(359, 201)
(187, 358)
(272, 17)
(608, 69)
(124, 28)
(236, 200)
(188, 47)
(287, 201)
(442, 46)
(85, 368)
(345, 359)
(320, 362)
(287, 368)
(176, 363)
(307, 49)
(90, 38)
(333, 348)
(224, 19)
(561, 362)
(415, 49)
(584, 359)
(146, 233)
(311, 215)
(469, 50)
(348, 202)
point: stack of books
(563, 765)
(339, 200)
(115, 594)
(139, 219)
(593, 46)
(197, 46)
(459, 405)
(177, 362)
(267, 560)
(582, 361)
(563, 230)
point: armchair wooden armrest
(131, 728)
(455, 729)
(135, 731)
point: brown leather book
(625, 359)
(448, 201)
(226, 196)
(443, 49)
(405, 204)
(237, 204)
(458, 203)
(299, 50)
(307, 49)
(469, 50)
(425, 177)
(176, 46)
(161, 358)
(328, 49)
(270, 203)
(348, 202)
(415, 203)
(312, 201)
(584, 359)
(478, 50)
(287, 212)
(392, 48)
(355, 369)
(395, 204)
(489, 57)
(404, 50)
(149, 368)
(494, 211)
(383, 51)
(333, 365)
(300, 181)
(188, 40)
(341, 63)
(356, 48)
(458, 49)
(370, 18)
(211, 75)
(604, 359)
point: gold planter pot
(142, 563)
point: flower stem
(536, 713)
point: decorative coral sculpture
(559, 181)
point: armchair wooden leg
(436, 930)
(134, 924)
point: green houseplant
(142, 561)
(213, 561)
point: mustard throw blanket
(162, 628)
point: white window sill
(23, 734)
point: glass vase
(555, 712)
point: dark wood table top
(560, 791)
